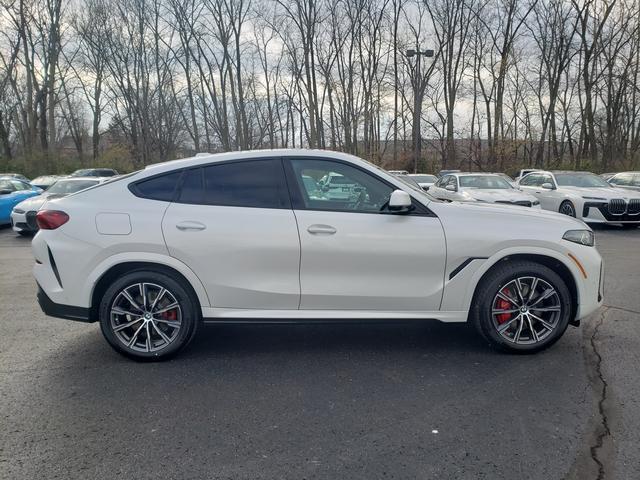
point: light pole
(417, 104)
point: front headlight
(595, 198)
(18, 210)
(583, 237)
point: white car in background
(23, 215)
(243, 237)
(481, 187)
(628, 180)
(585, 196)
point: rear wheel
(24, 233)
(522, 307)
(567, 208)
(147, 315)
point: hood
(530, 214)
(498, 195)
(32, 204)
(604, 193)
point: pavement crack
(604, 430)
(622, 309)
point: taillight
(51, 219)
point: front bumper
(68, 312)
(599, 212)
(24, 221)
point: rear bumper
(68, 312)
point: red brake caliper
(503, 305)
(170, 314)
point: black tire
(494, 282)
(567, 208)
(188, 307)
(24, 233)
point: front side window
(335, 186)
(532, 180)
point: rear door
(356, 255)
(233, 225)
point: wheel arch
(555, 264)
(118, 268)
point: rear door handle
(319, 229)
(190, 225)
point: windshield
(484, 182)
(584, 180)
(424, 178)
(65, 187)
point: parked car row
(612, 198)
(20, 198)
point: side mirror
(451, 188)
(548, 186)
(5, 191)
(400, 202)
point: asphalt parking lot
(424, 400)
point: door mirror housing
(451, 188)
(548, 186)
(400, 202)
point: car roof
(466, 174)
(202, 159)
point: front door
(356, 255)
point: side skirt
(242, 316)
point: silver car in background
(481, 187)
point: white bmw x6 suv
(239, 237)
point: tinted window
(254, 183)
(158, 188)
(192, 187)
(356, 190)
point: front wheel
(147, 315)
(567, 208)
(522, 307)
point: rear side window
(161, 187)
(253, 183)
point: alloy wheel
(526, 310)
(145, 317)
(567, 209)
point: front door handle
(319, 229)
(190, 225)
